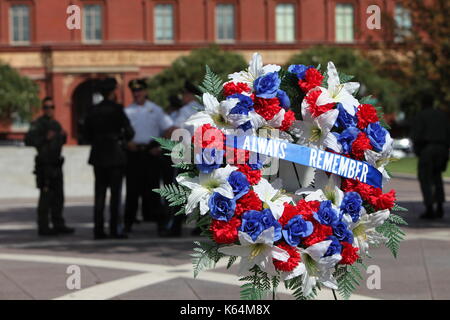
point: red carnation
(361, 144)
(292, 262)
(366, 114)
(288, 213)
(385, 201)
(267, 108)
(367, 192)
(236, 156)
(320, 232)
(289, 118)
(349, 253)
(249, 201)
(208, 136)
(232, 88)
(313, 78)
(307, 208)
(253, 176)
(225, 231)
(313, 108)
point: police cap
(137, 84)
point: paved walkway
(148, 267)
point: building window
(225, 22)
(164, 23)
(403, 23)
(344, 22)
(20, 24)
(92, 23)
(285, 22)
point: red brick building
(137, 38)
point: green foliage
(289, 83)
(393, 233)
(205, 256)
(231, 261)
(19, 95)
(192, 67)
(350, 61)
(296, 286)
(176, 195)
(348, 278)
(212, 83)
(258, 287)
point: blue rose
(347, 137)
(345, 119)
(377, 135)
(341, 231)
(296, 229)
(255, 222)
(299, 70)
(238, 181)
(246, 126)
(335, 246)
(209, 159)
(326, 214)
(267, 85)
(220, 207)
(352, 204)
(256, 161)
(285, 102)
(244, 106)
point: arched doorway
(82, 100)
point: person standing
(190, 106)
(431, 138)
(107, 128)
(144, 157)
(48, 137)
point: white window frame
(231, 39)
(21, 24)
(403, 23)
(85, 29)
(348, 38)
(166, 25)
(281, 26)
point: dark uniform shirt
(107, 128)
(49, 150)
(431, 127)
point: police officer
(144, 157)
(108, 129)
(431, 137)
(48, 137)
(190, 105)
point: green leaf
(250, 292)
(175, 194)
(205, 256)
(397, 219)
(394, 235)
(166, 144)
(231, 261)
(399, 208)
(348, 278)
(212, 83)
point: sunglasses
(48, 107)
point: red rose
(289, 118)
(361, 144)
(267, 108)
(208, 136)
(313, 78)
(292, 262)
(349, 253)
(232, 88)
(249, 201)
(253, 176)
(366, 114)
(225, 232)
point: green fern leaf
(212, 83)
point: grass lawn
(409, 165)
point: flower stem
(334, 294)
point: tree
(192, 68)
(18, 94)
(353, 62)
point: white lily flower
(318, 267)
(315, 132)
(203, 186)
(272, 196)
(364, 230)
(337, 92)
(218, 114)
(254, 71)
(380, 159)
(259, 252)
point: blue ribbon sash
(312, 157)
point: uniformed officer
(190, 105)
(47, 135)
(431, 137)
(108, 129)
(144, 156)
